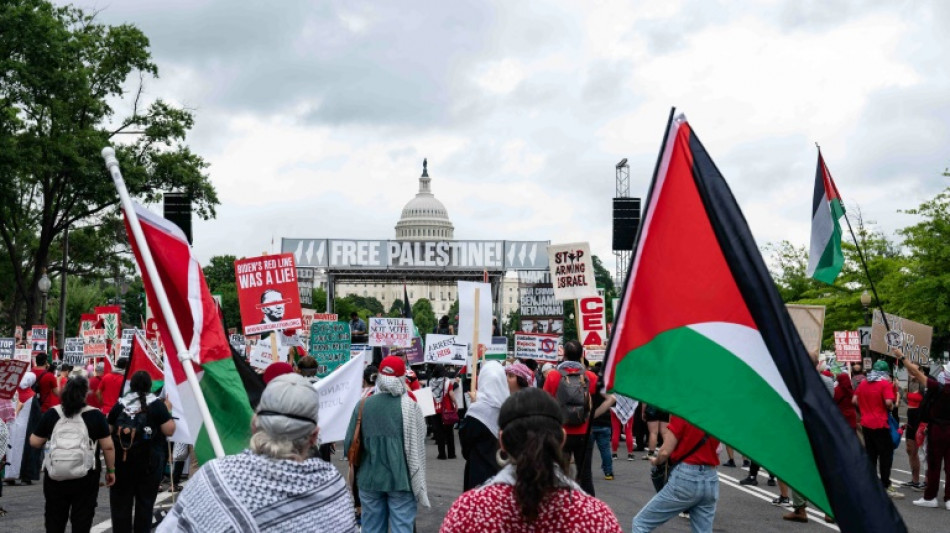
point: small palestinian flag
(824, 256)
(702, 333)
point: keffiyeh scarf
(878, 375)
(507, 477)
(624, 408)
(413, 434)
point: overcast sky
(315, 115)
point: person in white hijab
(478, 432)
(18, 429)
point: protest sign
(572, 272)
(339, 394)
(390, 331)
(594, 355)
(94, 342)
(23, 354)
(848, 346)
(415, 354)
(911, 337)
(538, 346)
(425, 401)
(592, 322)
(498, 349)
(7, 347)
(445, 350)
(239, 342)
(74, 351)
(329, 345)
(267, 292)
(126, 347)
(357, 350)
(11, 371)
(865, 332)
(261, 356)
(38, 339)
(18, 333)
(809, 321)
(109, 316)
(87, 321)
(466, 298)
(540, 311)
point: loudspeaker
(626, 222)
(178, 210)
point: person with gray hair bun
(277, 484)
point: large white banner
(466, 329)
(339, 394)
(572, 271)
(445, 350)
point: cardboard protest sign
(538, 346)
(390, 331)
(38, 339)
(267, 291)
(466, 297)
(911, 337)
(425, 400)
(848, 346)
(11, 371)
(329, 345)
(23, 354)
(572, 271)
(94, 342)
(74, 351)
(809, 321)
(7, 347)
(339, 394)
(109, 316)
(445, 350)
(591, 321)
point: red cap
(392, 366)
(277, 369)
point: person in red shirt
(874, 398)
(910, 432)
(693, 484)
(110, 387)
(47, 383)
(95, 378)
(576, 445)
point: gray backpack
(573, 394)
(72, 453)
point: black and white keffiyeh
(248, 492)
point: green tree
(320, 300)
(61, 74)
(512, 325)
(220, 271)
(422, 316)
(395, 310)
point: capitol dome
(424, 218)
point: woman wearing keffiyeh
(391, 471)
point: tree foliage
(61, 74)
(423, 316)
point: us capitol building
(424, 218)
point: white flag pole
(112, 164)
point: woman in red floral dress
(531, 493)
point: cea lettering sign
(572, 271)
(591, 322)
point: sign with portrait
(267, 292)
(445, 350)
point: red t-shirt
(687, 437)
(48, 383)
(871, 396)
(91, 399)
(550, 386)
(110, 386)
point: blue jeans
(692, 488)
(393, 510)
(601, 436)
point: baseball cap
(289, 407)
(392, 366)
(276, 369)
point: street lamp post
(866, 304)
(44, 285)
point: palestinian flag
(197, 317)
(142, 358)
(824, 257)
(702, 332)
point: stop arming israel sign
(593, 326)
(572, 272)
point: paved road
(741, 509)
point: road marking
(815, 516)
(107, 525)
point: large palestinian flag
(825, 258)
(196, 315)
(702, 332)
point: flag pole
(112, 164)
(857, 246)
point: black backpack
(573, 394)
(133, 434)
(929, 404)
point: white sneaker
(945, 504)
(892, 492)
(926, 503)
